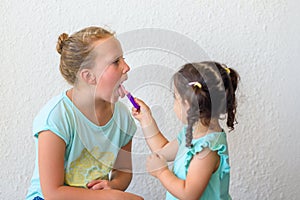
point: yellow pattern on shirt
(90, 165)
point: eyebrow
(117, 58)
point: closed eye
(117, 61)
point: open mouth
(121, 90)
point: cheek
(184, 117)
(180, 112)
(175, 106)
(109, 79)
(177, 110)
(107, 84)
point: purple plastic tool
(131, 98)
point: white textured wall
(258, 38)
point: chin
(114, 99)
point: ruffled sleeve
(213, 141)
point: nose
(126, 68)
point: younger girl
(204, 93)
(83, 136)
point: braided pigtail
(209, 90)
(231, 99)
(193, 115)
(230, 79)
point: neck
(96, 110)
(201, 130)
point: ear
(88, 77)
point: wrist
(147, 121)
(150, 128)
(120, 180)
(162, 173)
(113, 185)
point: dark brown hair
(215, 97)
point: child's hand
(143, 115)
(98, 185)
(156, 164)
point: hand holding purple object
(131, 98)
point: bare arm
(122, 172)
(51, 151)
(154, 138)
(169, 151)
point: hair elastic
(195, 84)
(227, 70)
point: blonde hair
(77, 50)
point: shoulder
(53, 116)
(214, 141)
(49, 108)
(210, 147)
(122, 108)
(122, 113)
(215, 145)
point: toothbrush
(131, 98)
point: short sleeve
(53, 117)
(215, 142)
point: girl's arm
(201, 168)
(122, 170)
(121, 174)
(51, 151)
(154, 138)
(169, 151)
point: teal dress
(218, 186)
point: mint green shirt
(218, 186)
(91, 150)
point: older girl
(83, 136)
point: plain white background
(260, 39)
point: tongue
(121, 91)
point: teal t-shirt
(91, 150)
(218, 186)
